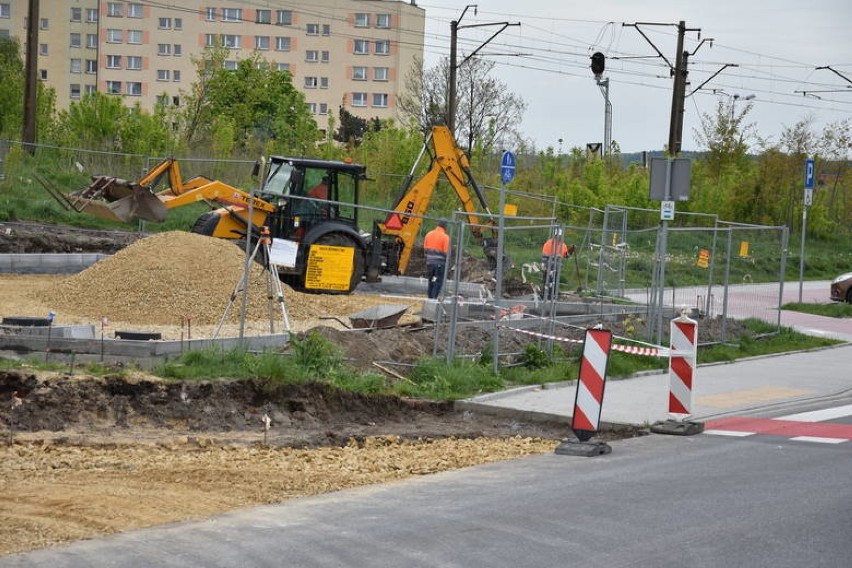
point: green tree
(265, 110)
(487, 111)
(12, 79)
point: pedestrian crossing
(824, 426)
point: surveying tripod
(274, 291)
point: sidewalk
(718, 389)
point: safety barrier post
(683, 357)
(586, 418)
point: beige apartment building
(350, 53)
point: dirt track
(84, 457)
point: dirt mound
(301, 415)
(37, 238)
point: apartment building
(350, 53)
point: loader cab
(312, 192)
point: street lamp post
(735, 97)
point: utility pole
(678, 93)
(452, 96)
(31, 82)
(679, 71)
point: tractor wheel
(206, 224)
(849, 296)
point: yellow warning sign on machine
(329, 267)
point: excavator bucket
(115, 199)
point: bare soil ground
(86, 456)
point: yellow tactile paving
(748, 396)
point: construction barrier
(652, 351)
(684, 352)
(590, 385)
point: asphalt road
(655, 501)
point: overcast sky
(776, 45)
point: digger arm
(415, 199)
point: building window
(89, 89)
(113, 61)
(114, 36)
(232, 14)
(75, 91)
(324, 56)
(211, 14)
(42, 49)
(359, 73)
(284, 17)
(311, 82)
(323, 82)
(134, 88)
(135, 10)
(261, 42)
(5, 11)
(312, 56)
(91, 15)
(76, 66)
(76, 41)
(229, 64)
(178, 23)
(42, 74)
(178, 50)
(92, 41)
(380, 100)
(380, 73)
(362, 47)
(163, 75)
(231, 41)
(134, 62)
(312, 29)
(77, 16)
(115, 9)
(210, 40)
(165, 24)
(362, 20)
(359, 99)
(282, 44)
(312, 108)
(326, 29)
(383, 47)
(176, 75)
(263, 17)
(113, 87)
(91, 66)
(323, 108)
(164, 49)
(134, 36)
(383, 21)
(43, 24)
(283, 67)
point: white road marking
(728, 433)
(820, 415)
(819, 440)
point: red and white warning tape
(656, 351)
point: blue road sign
(507, 167)
(809, 174)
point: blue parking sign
(809, 174)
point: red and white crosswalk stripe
(683, 354)
(802, 427)
(592, 379)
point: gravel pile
(163, 278)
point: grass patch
(838, 310)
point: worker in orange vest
(552, 253)
(436, 246)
